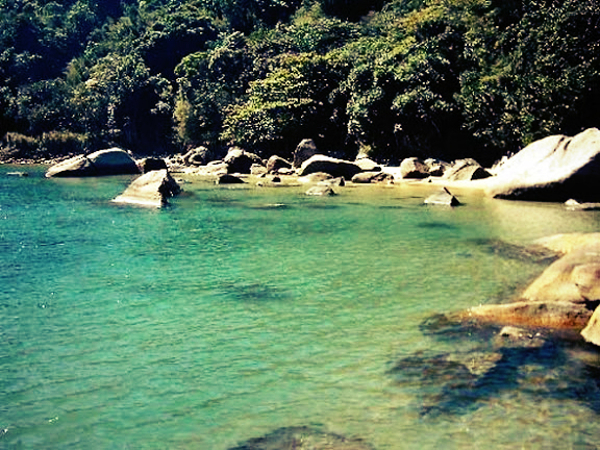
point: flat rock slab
(554, 315)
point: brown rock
(555, 315)
(559, 282)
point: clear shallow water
(239, 311)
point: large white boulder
(556, 168)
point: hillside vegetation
(442, 78)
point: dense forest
(442, 78)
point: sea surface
(239, 311)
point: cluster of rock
(153, 188)
(564, 297)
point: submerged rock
(511, 336)
(151, 189)
(460, 382)
(563, 297)
(302, 438)
(112, 161)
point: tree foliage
(395, 78)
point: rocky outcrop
(413, 168)
(573, 278)
(436, 167)
(258, 169)
(153, 189)
(112, 161)
(555, 315)
(563, 297)
(333, 166)
(276, 162)
(556, 168)
(149, 164)
(305, 150)
(240, 161)
(197, 156)
(214, 168)
(466, 170)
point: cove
(240, 311)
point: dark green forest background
(441, 78)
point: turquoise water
(239, 311)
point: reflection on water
(229, 320)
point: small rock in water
(229, 179)
(444, 198)
(320, 190)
